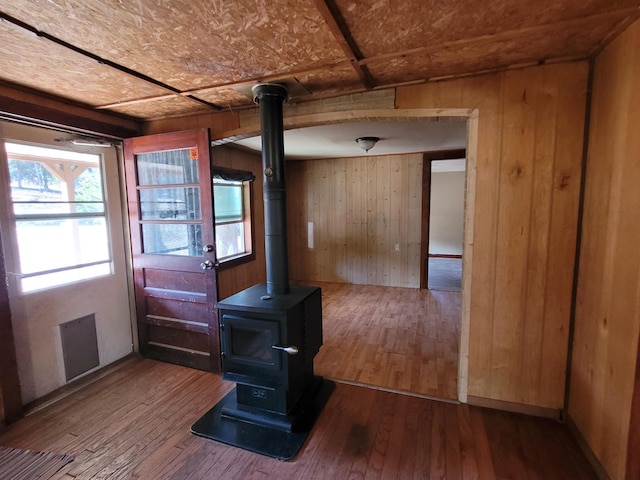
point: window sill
(233, 262)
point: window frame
(15, 218)
(247, 216)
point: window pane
(52, 244)
(167, 168)
(229, 240)
(61, 225)
(31, 181)
(87, 187)
(48, 280)
(170, 204)
(228, 202)
(172, 239)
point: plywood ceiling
(148, 59)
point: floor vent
(79, 345)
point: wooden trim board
(515, 407)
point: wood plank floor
(134, 424)
(402, 339)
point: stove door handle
(293, 350)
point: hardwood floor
(134, 424)
(401, 339)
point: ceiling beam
(338, 28)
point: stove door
(247, 344)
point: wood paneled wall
(607, 322)
(530, 134)
(365, 213)
(529, 150)
(218, 123)
(238, 278)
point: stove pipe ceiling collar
(270, 98)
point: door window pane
(170, 204)
(167, 168)
(172, 239)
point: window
(232, 206)
(170, 210)
(60, 220)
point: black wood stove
(270, 333)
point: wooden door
(170, 201)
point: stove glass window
(252, 343)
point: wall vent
(79, 345)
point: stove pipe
(270, 98)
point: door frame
(10, 395)
(633, 442)
(427, 158)
(471, 115)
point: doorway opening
(443, 218)
(333, 170)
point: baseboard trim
(443, 255)
(553, 413)
(601, 472)
(75, 385)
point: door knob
(206, 265)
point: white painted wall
(36, 316)
(446, 218)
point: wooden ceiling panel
(224, 97)
(33, 62)
(476, 57)
(143, 58)
(380, 28)
(330, 80)
(190, 44)
(160, 108)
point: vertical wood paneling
(529, 135)
(361, 208)
(340, 227)
(607, 324)
(216, 122)
(526, 201)
(486, 93)
(566, 188)
(235, 279)
(531, 337)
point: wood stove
(268, 345)
(271, 332)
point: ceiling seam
(121, 68)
